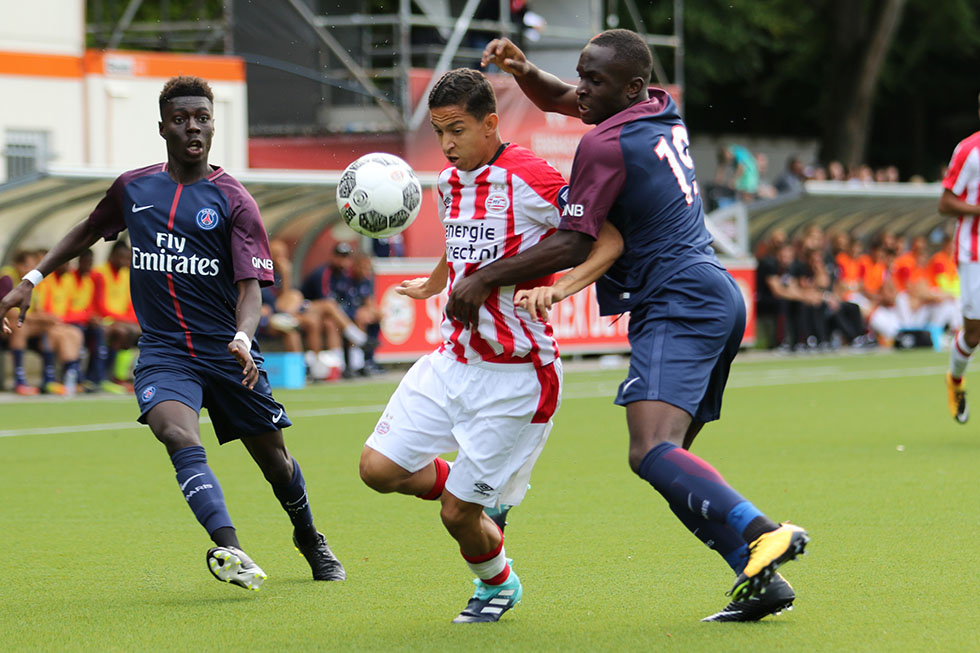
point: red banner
(411, 328)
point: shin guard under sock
(201, 488)
(689, 482)
(292, 497)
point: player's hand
(465, 300)
(242, 352)
(19, 297)
(538, 301)
(417, 288)
(508, 57)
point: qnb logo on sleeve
(170, 257)
(207, 219)
(573, 210)
(264, 263)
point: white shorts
(970, 290)
(497, 416)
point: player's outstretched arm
(78, 239)
(247, 314)
(548, 92)
(425, 287)
(950, 204)
(606, 249)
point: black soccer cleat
(776, 597)
(322, 561)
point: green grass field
(101, 553)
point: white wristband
(244, 338)
(34, 276)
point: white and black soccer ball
(379, 195)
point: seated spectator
(941, 270)
(911, 275)
(42, 331)
(876, 268)
(779, 296)
(322, 287)
(83, 314)
(841, 322)
(115, 305)
(850, 260)
(366, 312)
(57, 291)
(898, 311)
(288, 315)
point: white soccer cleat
(231, 565)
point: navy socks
(293, 499)
(719, 537)
(202, 491)
(692, 486)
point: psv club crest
(207, 219)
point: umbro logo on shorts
(483, 488)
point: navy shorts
(235, 411)
(683, 340)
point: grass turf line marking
(768, 380)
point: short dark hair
(630, 49)
(184, 86)
(467, 87)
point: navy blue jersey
(349, 291)
(634, 170)
(191, 245)
(316, 285)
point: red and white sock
(491, 568)
(442, 473)
(959, 357)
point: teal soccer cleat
(489, 602)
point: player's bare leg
(964, 344)
(703, 501)
(283, 473)
(176, 426)
(385, 476)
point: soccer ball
(379, 195)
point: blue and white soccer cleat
(489, 602)
(231, 565)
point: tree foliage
(783, 67)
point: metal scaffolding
(358, 55)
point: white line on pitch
(608, 390)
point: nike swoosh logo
(189, 480)
(629, 383)
(137, 209)
(275, 419)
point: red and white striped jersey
(494, 212)
(963, 180)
